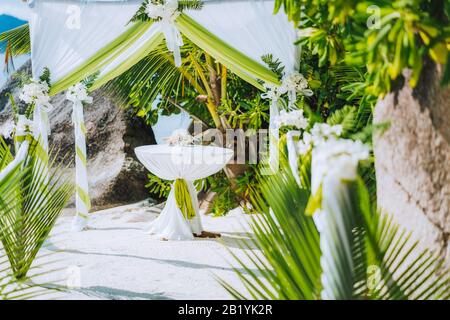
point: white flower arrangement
(320, 133)
(21, 128)
(36, 92)
(180, 137)
(78, 92)
(167, 11)
(7, 130)
(296, 82)
(338, 158)
(291, 84)
(293, 118)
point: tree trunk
(412, 159)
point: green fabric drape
(183, 198)
(237, 62)
(243, 66)
(105, 56)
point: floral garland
(320, 133)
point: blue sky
(15, 8)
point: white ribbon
(334, 165)
(41, 124)
(293, 154)
(273, 93)
(173, 39)
(294, 83)
(168, 13)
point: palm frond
(345, 117)
(290, 266)
(380, 261)
(17, 40)
(156, 76)
(29, 208)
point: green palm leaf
(17, 40)
(289, 240)
(29, 207)
(381, 262)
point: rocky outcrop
(413, 159)
(116, 177)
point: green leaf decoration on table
(183, 198)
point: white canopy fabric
(251, 27)
(66, 33)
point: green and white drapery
(76, 38)
(77, 94)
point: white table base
(171, 223)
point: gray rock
(116, 177)
(413, 159)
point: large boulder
(115, 175)
(413, 159)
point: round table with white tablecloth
(184, 165)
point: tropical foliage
(29, 208)
(383, 37)
(30, 202)
(386, 263)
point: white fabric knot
(166, 14)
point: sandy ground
(116, 259)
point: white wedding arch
(75, 39)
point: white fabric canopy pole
(65, 34)
(77, 94)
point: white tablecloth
(189, 163)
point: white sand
(118, 260)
